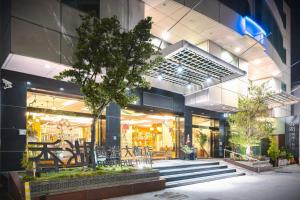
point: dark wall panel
(113, 122)
(13, 113)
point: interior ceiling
(45, 101)
(197, 28)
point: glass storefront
(51, 117)
(159, 131)
(205, 135)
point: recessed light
(189, 86)
(257, 61)
(237, 49)
(159, 77)
(209, 79)
(165, 35)
(28, 83)
(61, 89)
(226, 56)
(179, 69)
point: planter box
(98, 187)
(282, 162)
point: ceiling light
(85, 109)
(209, 79)
(61, 89)
(159, 77)
(28, 83)
(257, 61)
(70, 102)
(179, 69)
(189, 86)
(237, 49)
(226, 56)
(165, 35)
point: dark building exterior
(38, 39)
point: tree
(109, 62)
(250, 124)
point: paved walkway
(281, 184)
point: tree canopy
(109, 61)
(251, 123)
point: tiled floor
(264, 186)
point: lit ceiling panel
(187, 64)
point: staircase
(190, 173)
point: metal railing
(241, 155)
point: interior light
(28, 83)
(159, 77)
(61, 89)
(165, 35)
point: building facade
(214, 51)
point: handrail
(248, 157)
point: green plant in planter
(186, 149)
(274, 151)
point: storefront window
(51, 117)
(159, 131)
(205, 135)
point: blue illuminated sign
(250, 27)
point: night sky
(295, 11)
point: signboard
(292, 134)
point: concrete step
(202, 179)
(186, 165)
(182, 176)
(190, 169)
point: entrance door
(205, 136)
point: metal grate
(196, 66)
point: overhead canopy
(187, 64)
(282, 98)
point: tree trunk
(248, 150)
(93, 138)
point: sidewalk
(289, 169)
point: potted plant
(202, 139)
(187, 150)
(274, 152)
